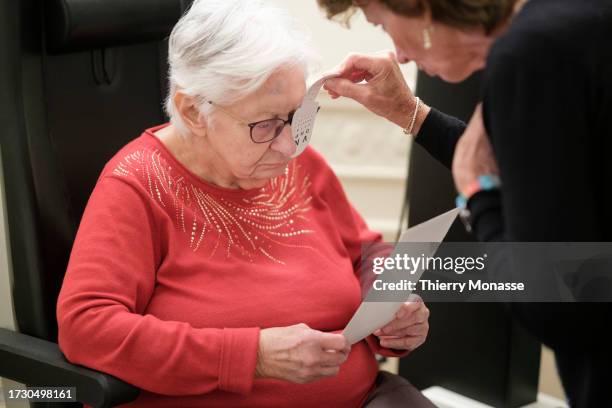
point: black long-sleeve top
(547, 107)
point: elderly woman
(211, 269)
(547, 98)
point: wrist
(421, 116)
(411, 115)
(485, 182)
(408, 130)
(260, 366)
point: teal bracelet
(485, 182)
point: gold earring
(427, 37)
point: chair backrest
(79, 79)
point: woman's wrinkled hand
(300, 354)
(473, 154)
(376, 82)
(409, 329)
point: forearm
(164, 357)
(438, 133)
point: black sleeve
(486, 220)
(439, 134)
(535, 111)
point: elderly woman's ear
(191, 115)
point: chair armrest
(37, 362)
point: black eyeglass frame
(279, 130)
(252, 125)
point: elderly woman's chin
(272, 170)
(264, 172)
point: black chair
(78, 79)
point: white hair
(223, 50)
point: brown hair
(456, 13)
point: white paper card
(371, 316)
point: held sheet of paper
(371, 316)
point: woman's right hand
(384, 91)
(300, 354)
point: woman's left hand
(473, 154)
(409, 328)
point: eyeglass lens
(267, 130)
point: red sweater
(171, 279)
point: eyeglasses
(262, 131)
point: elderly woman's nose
(284, 143)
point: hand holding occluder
(376, 82)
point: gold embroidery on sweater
(247, 226)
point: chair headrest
(76, 25)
